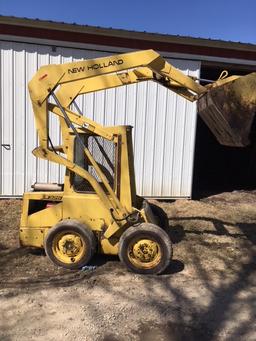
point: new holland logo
(96, 66)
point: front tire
(70, 244)
(145, 249)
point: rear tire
(145, 249)
(70, 244)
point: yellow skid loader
(97, 209)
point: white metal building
(164, 123)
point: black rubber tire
(161, 216)
(84, 233)
(144, 231)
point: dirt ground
(208, 292)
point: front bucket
(229, 109)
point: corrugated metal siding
(164, 124)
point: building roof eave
(124, 38)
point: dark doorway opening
(218, 168)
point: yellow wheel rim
(68, 247)
(144, 253)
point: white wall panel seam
(12, 113)
(25, 119)
(183, 147)
(164, 135)
(142, 157)
(1, 117)
(156, 118)
(173, 146)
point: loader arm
(73, 79)
(86, 76)
(49, 77)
